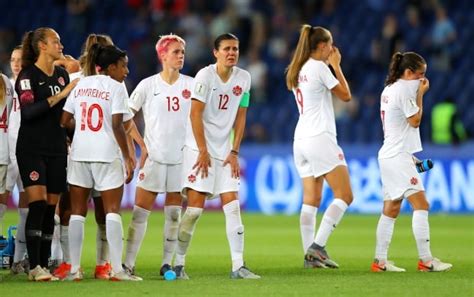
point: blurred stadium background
(367, 33)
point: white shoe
(385, 266)
(76, 276)
(39, 274)
(435, 265)
(124, 276)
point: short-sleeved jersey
(14, 123)
(314, 100)
(5, 109)
(80, 74)
(397, 103)
(93, 102)
(165, 113)
(222, 103)
(40, 132)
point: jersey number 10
(86, 117)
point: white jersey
(165, 112)
(14, 123)
(93, 102)
(5, 109)
(314, 99)
(222, 103)
(80, 74)
(397, 103)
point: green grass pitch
(273, 249)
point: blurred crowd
(367, 32)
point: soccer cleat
(319, 253)
(53, 264)
(180, 273)
(127, 269)
(17, 268)
(26, 265)
(124, 276)
(165, 268)
(62, 271)
(434, 265)
(39, 274)
(102, 271)
(243, 273)
(385, 266)
(311, 262)
(75, 276)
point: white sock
(332, 216)
(383, 237)
(136, 233)
(3, 210)
(76, 238)
(102, 246)
(235, 233)
(185, 233)
(307, 225)
(113, 226)
(56, 252)
(65, 243)
(170, 232)
(421, 231)
(20, 239)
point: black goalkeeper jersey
(40, 132)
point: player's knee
(347, 197)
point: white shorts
(3, 178)
(318, 155)
(13, 176)
(399, 177)
(160, 178)
(98, 175)
(218, 181)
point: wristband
(234, 152)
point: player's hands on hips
(143, 156)
(233, 160)
(128, 169)
(424, 85)
(203, 163)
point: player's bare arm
(203, 161)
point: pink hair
(164, 41)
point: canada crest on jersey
(237, 90)
(61, 81)
(186, 94)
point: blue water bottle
(424, 165)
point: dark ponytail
(400, 62)
(103, 56)
(30, 49)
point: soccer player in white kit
(6, 104)
(401, 109)
(165, 99)
(317, 155)
(20, 262)
(102, 268)
(220, 98)
(98, 104)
